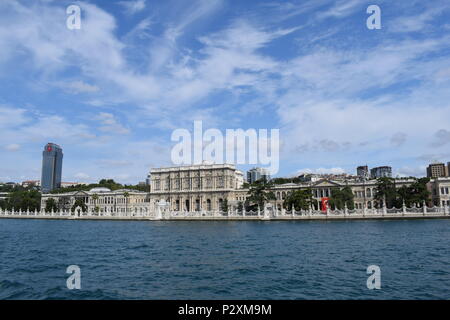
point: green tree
(224, 206)
(79, 203)
(259, 194)
(416, 193)
(240, 207)
(23, 199)
(386, 191)
(341, 197)
(3, 204)
(299, 200)
(285, 180)
(50, 204)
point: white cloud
(341, 9)
(24, 127)
(114, 163)
(231, 53)
(132, 7)
(321, 171)
(79, 87)
(441, 138)
(12, 147)
(325, 107)
(110, 124)
(415, 23)
(10, 117)
(82, 176)
(407, 171)
(398, 139)
(334, 99)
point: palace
(202, 187)
(195, 188)
(103, 200)
(207, 187)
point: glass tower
(51, 167)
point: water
(224, 260)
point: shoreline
(239, 218)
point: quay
(268, 214)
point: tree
(386, 191)
(285, 180)
(105, 183)
(50, 204)
(240, 206)
(224, 206)
(341, 197)
(79, 203)
(414, 194)
(299, 200)
(22, 199)
(3, 204)
(259, 194)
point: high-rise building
(381, 172)
(256, 174)
(436, 170)
(363, 172)
(52, 157)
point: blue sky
(112, 92)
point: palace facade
(206, 187)
(195, 188)
(103, 200)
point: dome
(100, 189)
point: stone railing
(268, 213)
(76, 213)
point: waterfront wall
(267, 214)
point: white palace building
(205, 187)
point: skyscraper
(380, 172)
(256, 174)
(363, 172)
(51, 167)
(436, 170)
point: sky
(111, 93)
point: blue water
(224, 260)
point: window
(220, 182)
(167, 184)
(197, 183)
